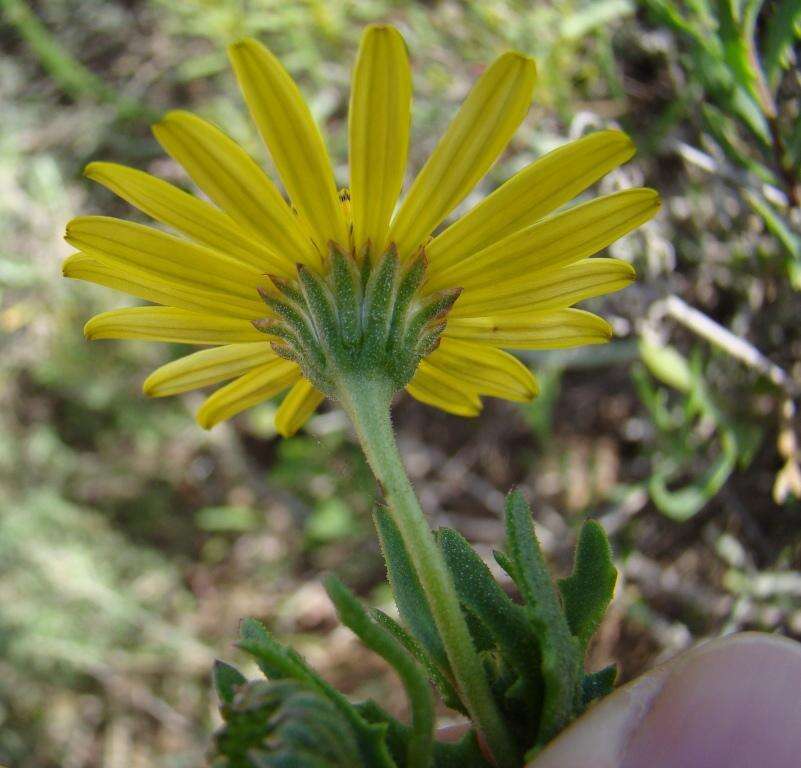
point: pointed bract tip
(283, 350)
(264, 324)
(281, 283)
(265, 294)
(449, 296)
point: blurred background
(132, 542)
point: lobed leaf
(561, 653)
(586, 593)
(505, 620)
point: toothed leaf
(478, 591)
(586, 593)
(561, 654)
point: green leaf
(667, 364)
(283, 723)
(226, 680)
(561, 654)
(506, 563)
(586, 593)
(279, 662)
(596, 685)
(505, 620)
(273, 659)
(409, 597)
(739, 102)
(723, 129)
(775, 224)
(736, 50)
(378, 639)
(782, 28)
(446, 688)
(683, 503)
(465, 753)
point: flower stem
(367, 401)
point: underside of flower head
(290, 287)
(360, 317)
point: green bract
(360, 317)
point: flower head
(288, 295)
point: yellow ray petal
(475, 138)
(295, 143)
(172, 325)
(556, 241)
(530, 194)
(209, 366)
(440, 389)
(532, 330)
(299, 404)
(485, 370)
(552, 289)
(378, 132)
(230, 177)
(150, 286)
(196, 218)
(128, 244)
(248, 390)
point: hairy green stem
(367, 401)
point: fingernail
(730, 703)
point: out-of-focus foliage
(747, 88)
(686, 432)
(131, 543)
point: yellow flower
(520, 267)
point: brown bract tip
(281, 283)
(265, 324)
(282, 350)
